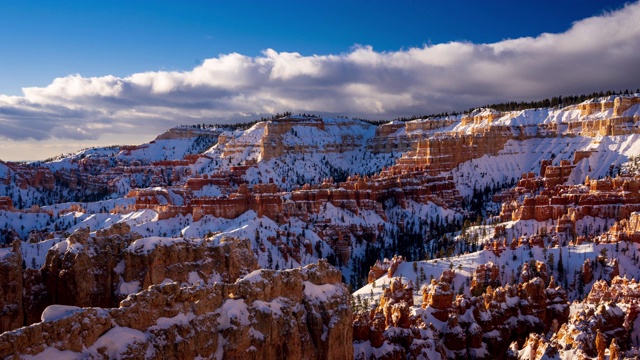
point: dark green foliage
(546, 103)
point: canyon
(460, 236)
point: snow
(180, 319)
(364, 350)
(314, 159)
(508, 263)
(127, 288)
(36, 254)
(320, 293)
(56, 312)
(147, 245)
(273, 307)
(232, 312)
(208, 190)
(52, 353)
(4, 253)
(254, 276)
(194, 278)
(255, 334)
(119, 269)
(114, 342)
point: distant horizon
(149, 67)
(632, 93)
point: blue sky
(42, 40)
(75, 74)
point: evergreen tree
(560, 266)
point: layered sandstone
(12, 315)
(320, 136)
(99, 270)
(291, 314)
(25, 176)
(444, 152)
(609, 198)
(188, 132)
(401, 136)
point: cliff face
(293, 314)
(547, 199)
(149, 261)
(398, 136)
(320, 136)
(445, 152)
(100, 270)
(25, 176)
(186, 132)
(11, 289)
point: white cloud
(598, 53)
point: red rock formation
(6, 203)
(254, 315)
(603, 321)
(616, 198)
(587, 271)
(29, 176)
(439, 296)
(384, 267)
(556, 175)
(391, 323)
(478, 327)
(485, 275)
(533, 269)
(444, 152)
(98, 271)
(187, 132)
(11, 289)
(395, 302)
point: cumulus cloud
(598, 53)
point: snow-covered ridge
(611, 108)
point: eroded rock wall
(291, 314)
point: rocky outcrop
(188, 132)
(610, 198)
(587, 271)
(401, 136)
(385, 266)
(604, 321)
(25, 176)
(101, 269)
(292, 314)
(392, 332)
(335, 136)
(485, 275)
(460, 327)
(6, 203)
(533, 269)
(445, 152)
(182, 260)
(81, 270)
(439, 296)
(12, 314)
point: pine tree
(560, 266)
(580, 284)
(551, 262)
